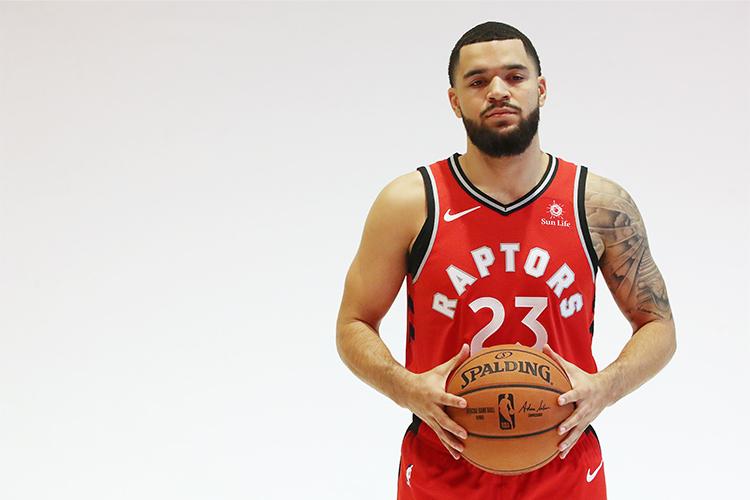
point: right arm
(372, 283)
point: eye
(475, 81)
(519, 77)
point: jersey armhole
(423, 242)
(588, 244)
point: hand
(590, 393)
(426, 397)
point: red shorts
(427, 471)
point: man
(501, 245)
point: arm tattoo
(625, 259)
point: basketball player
(501, 245)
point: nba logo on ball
(506, 411)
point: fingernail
(462, 403)
(562, 430)
(562, 401)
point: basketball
(512, 415)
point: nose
(497, 89)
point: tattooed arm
(619, 237)
(620, 240)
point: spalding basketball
(512, 415)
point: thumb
(456, 360)
(462, 354)
(565, 364)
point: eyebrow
(479, 71)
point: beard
(497, 143)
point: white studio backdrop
(183, 187)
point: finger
(569, 397)
(570, 422)
(448, 439)
(453, 452)
(448, 424)
(569, 442)
(444, 435)
(449, 399)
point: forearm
(645, 354)
(366, 355)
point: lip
(498, 112)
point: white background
(183, 187)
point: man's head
(495, 67)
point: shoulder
(609, 206)
(605, 191)
(402, 196)
(405, 191)
(402, 205)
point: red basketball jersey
(486, 273)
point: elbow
(662, 333)
(340, 335)
(344, 335)
(674, 342)
(672, 336)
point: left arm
(638, 289)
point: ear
(453, 99)
(542, 88)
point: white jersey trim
(494, 204)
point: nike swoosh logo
(589, 476)
(449, 216)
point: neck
(508, 177)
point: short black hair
(486, 32)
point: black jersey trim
(593, 316)
(590, 430)
(414, 425)
(426, 237)
(419, 249)
(489, 201)
(583, 224)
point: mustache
(493, 108)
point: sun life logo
(555, 209)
